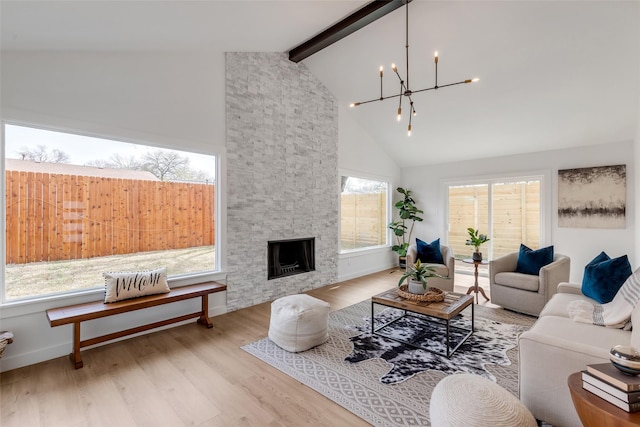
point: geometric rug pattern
(357, 386)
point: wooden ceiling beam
(352, 23)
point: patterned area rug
(487, 346)
(358, 386)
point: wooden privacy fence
(363, 220)
(53, 217)
(515, 212)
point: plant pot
(477, 256)
(402, 261)
(415, 287)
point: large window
(76, 207)
(507, 210)
(363, 213)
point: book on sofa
(609, 373)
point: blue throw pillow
(604, 276)
(429, 252)
(531, 261)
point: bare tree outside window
(42, 154)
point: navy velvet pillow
(604, 276)
(429, 252)
(531, 261)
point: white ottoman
(467, 400)
(298, 322)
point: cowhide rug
(487, 345)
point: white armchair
(447, 269)
(525, 293)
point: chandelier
(405, 90)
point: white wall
(175, 100)
(581, 245)
(360, 155)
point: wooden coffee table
(595, 411)
(441, 312)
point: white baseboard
(15, 361)
(365, 272)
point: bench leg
(204, 315)
(75, 356)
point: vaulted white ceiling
(553, 74)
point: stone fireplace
(282, 177)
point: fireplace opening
(289, 257)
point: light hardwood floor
(184, 376)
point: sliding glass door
(507, 210)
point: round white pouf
(299, 322)
(467, 400)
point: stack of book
(606, 381)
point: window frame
(544, 176)
(31, 304)
(370, 177)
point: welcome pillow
(604, 276)
(132, 284)
(531, 261)
(429, 252)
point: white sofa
(556, 347)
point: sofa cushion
(511, 279)
(604, 276)
(576, 337)
(429, 252)
(441, 269)
(531, 261)
(557, 305)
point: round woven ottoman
(299, 322)
(467, 400)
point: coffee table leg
(371, 317)
(473, 327)
(448, 342)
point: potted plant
(418, 275)
(408, 213)
(476, 239)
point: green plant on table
(476, 239)
(420, 272)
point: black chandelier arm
(404, 87)
(407, 41)
(400, 103)
(443, 86)
(436, 62)
(382, 98)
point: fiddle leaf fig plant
(403, 227)
(475, 239)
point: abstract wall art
(592, 197)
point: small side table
(475, 288)
(596, 412)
